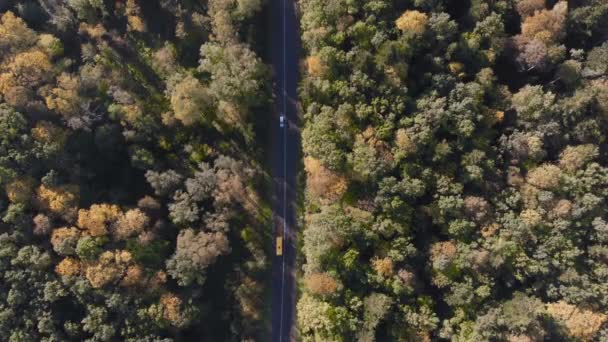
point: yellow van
(279, 245)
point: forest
(131, 174)
(456, 170)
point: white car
(282, 120)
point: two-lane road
(286, 149)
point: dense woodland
(455, 156)
(130, 207)
(457, 170)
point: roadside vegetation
(456, 170)
(130, 171)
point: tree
(526, 8)
(323, 183)
(65, 98)
(235, 71)
(20, 190)
(546, 176)
(58, 200)
(173, 311)
(64, 240)
(532, 103)
(321, 284)
(320, 320)
(131, 223)
(42, 224)
(190, 101)
(88, 10)
(109, 268)
(68, 267)
(377, 306)
(580, 323)
(369, 159)
(99, 219)
(574, 158)
(164, 183)
(16, 151)
(14, 35)
(412, 21)
(546, 25)
(195, 251)
(27, 69)
(597, 60)
(534, 54)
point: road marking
(284, 178)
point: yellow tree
(58, 200)
(14, 34)
(190, 100)
(64, 98)
(134, 19)
(99, 218)
(20, 190)
(46, 132)
(412, 21)
(27, 69)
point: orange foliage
(27, 69)
(136, 23)
(562, 209)
(131, 223)
(110, 268)
(321, 284)
(171, 307)
(490, 230)
(14, 34)
(57, 199)
(581, 324)
(444, 248)
(322, 182)
(68, 267)
(315, 66)
(383, 266)
(47, 132)
(134, 276)
(20, 190)
(546, 25)
(64, 99)
(96, 31)
(157, 280)
(98, 219)
(59, 235)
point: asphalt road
(286, 150)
